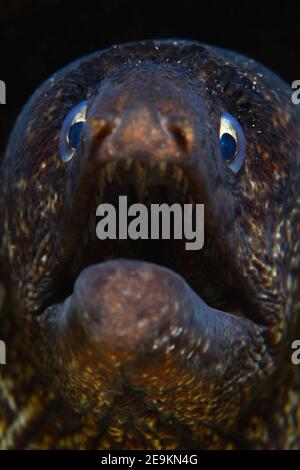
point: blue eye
(71, 131)
(228, 146)
(75, 133)
(232, 142)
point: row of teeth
(109, 173)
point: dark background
(37, 37)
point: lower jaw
(138, 325)
(204, 270)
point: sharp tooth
(162, 166)
(110, 170)
(128, 163)
(179, 174)
(109, 178)
(176, 172)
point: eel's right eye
(71, 131)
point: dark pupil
(228, 146)
(74, 134)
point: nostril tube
(181, 132)
(180, 137)
(99, 129)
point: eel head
(195, 335)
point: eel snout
(145, 120)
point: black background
(38, 37)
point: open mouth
(146, 315)
(150, 182)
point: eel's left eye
(232, 142)
(71, 131)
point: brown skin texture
(139, 354)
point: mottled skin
(138, 357)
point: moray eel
(141, 344)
